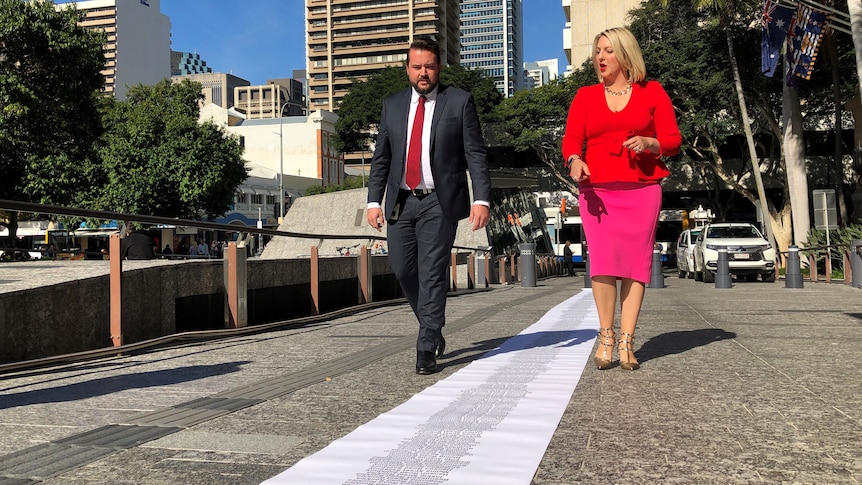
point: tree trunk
(838, 155)
(794, 163)
(749, 137)
(854, 7)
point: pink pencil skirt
(620, 221)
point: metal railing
(234, 257)
(814, 256)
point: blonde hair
(626, 49)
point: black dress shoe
(441, 347)
(425, 363)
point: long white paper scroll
(490, 422)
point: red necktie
(414, 153)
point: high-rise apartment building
(492, 41)
(352, 39)
(183, 63)
(139, 41)
(593, 16)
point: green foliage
(354, 182)
(483, 89)
(688, 55)
(350, 182)
(359, 112)
(837, 237)
(536, 118)
(314, 190)
(158, 160)
(50, 85)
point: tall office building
(352, 39)
(492, 40)
(593, 16)
(139, 41)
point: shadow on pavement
(109, 385)
(678, 342)
(524, 341)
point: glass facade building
(492, 41)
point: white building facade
(298, 146)
(540, 73)
(138, 50)
(585, 19)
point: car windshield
(733, 232)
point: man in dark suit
(429, 137)
(137, 245)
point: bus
(568, 227)
(33, 240)
(671, 223)
(564, 227)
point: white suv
(685, 252)
(748, 253)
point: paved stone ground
(752, 384)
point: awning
(94, 232)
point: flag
(776, 22)
(803, 42)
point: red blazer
(592, 125)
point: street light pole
(281, 163)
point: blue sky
(265, 39)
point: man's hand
(479, 216)
(375, 218)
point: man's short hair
(425, 44)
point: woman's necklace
(619, 93)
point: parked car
(685, 252)
(748, 253)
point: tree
(855, 11)
(777, 115)
(483, 88)
(724, 14)
(535, 119)
(50, 85)
(359, 112)
(159, 160)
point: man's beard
(424, 90)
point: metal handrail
(122, 216)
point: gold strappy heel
(606, 340)
(625, 345)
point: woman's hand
(578, 169)
(639, 144)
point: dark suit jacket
(456, 147)
(137, 246)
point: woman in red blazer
(616, 133)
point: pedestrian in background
(136, 245)
(428, 138)
(567, 258)
(203, 249)
(616, 133)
